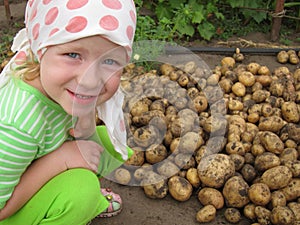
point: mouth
(80, 98)
(83, 96)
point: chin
(80, 112)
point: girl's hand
(82, 154)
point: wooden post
(276, 21)
(7, 9)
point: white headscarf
(53, 22)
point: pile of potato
(289, 56)
(231, 136)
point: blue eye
(73, 55)
(109, 61)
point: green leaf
(211, 8)
(175, 4)
(219, 15)
(258, 16)
(198, 16)
(187, 30)
(236, 3)
(206, 30)
(162, 11)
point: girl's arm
(73, 154)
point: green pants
(71, 198)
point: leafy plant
(184, 19)
(6, 40)
(189, 16)
(5, 43)
(255, 10)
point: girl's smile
(81, 74)
(82, 99)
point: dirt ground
(138, 209)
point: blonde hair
(28, 70)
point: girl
(69, 61)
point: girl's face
(82, 74)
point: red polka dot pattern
(76, 24)
(46, 2)
(76, 4)
(51, 16)
(36, 31)
(112, 4)
(20, 57)
(33, 15)
(133, 16)
(51, 22)
(30, 2)
(129, 32)
(109, 22)
(53, 31)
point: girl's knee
(83, 187)
(79, 199)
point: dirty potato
(137, 158)
(192, 177)
(154, 185)
(266, 161)
(249, 211)
(262, 215)
(156, 153)
(277, 177)
(246, 78)
(271, 142)
(167, 168)
(179, 188)
(185, 161)
(229, 61)
(282, 57)
(282, 215)
(211, 196)
(292, 190)
(235, 192)
(238, 89)
(294, 166)
(259, 194)
(206, 214)
(215, 169)
(277, 199)
(290, 112)
(122, 176)
(248, 172)
(295, 207)
(232, 215)
(271, 123)
(288, 154)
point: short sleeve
(17, 150)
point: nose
(90, 77)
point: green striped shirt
(31, 126)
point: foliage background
(175, 20)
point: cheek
(111, 87)
(113, 83)
(49, 78)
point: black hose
(225, 51)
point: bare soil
(137, 208)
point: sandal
(115, 203)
